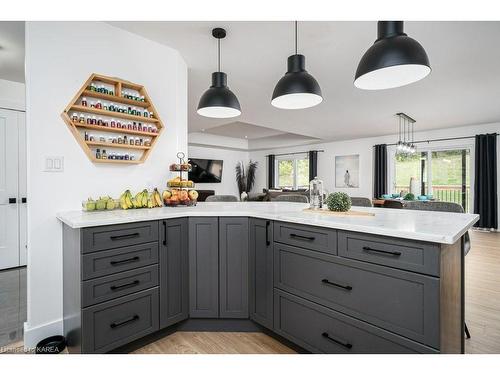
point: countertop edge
(434, 238)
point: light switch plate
(54, 164)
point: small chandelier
(406, 142)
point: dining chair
(298, 198)
(221, 198)
(361, 202)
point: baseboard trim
(33, 335)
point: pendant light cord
(296, 26)
(218, 55)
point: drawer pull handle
(345, 344)
(393, 253)
(346, 287)
(124, 236)
(124, 286)
(293, 235)
(129, 260)
(268, 223)
(123, 322)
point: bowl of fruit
(175, 197)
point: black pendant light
(296, 89)
(218, 101)
(393, 60)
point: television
(205, 170)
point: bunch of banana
(143, 199)
(126, 200)
(156, 198)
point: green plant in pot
(409, 197)
(339, 202)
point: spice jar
(104, 156)
(84, 102)
(74, 117)
(127, 157)
(150, 129)
(139, 127)
(92, 87)
(113, 123)
(98, 105)
(146, 113)
(98, 154)
(147, 143)
(125, 140)
(131, 141)
(99, 121)
(137, 142)
(82, 119)
(86, 136)
(91, 138)
(120, 140)
(92, 105)
(94, 120)
(129, 126)
(132, 157)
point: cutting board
(342, 214)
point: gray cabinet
(233, 267)
(261, 272)
(203, 267)
(174, 270)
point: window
(292, 171)
(443, 173)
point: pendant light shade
(219, 101)
(394, 60)
(297, 89)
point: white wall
(60, 56)
(12, 95)
(230, 159)
(364, 147)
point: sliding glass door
(450, 176)
(444, 174)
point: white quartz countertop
(440, 227)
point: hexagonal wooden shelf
(99, 96)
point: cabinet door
(204, 267)
(233, 267)
(261, 272)
(174, 269)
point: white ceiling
(12, 51)
(463, 88)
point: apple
(193, 195)
(166, 195)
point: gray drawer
(108, 287)
(321, 330)
(408, 255)
(112, 236)
(306, 236)
(399, 301)
(113, 261)
(115, 323)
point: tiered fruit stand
(121, 102)
(181, 186)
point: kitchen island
(387, 283)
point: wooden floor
(482, 293)
(216, 343)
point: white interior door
(9, 189)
